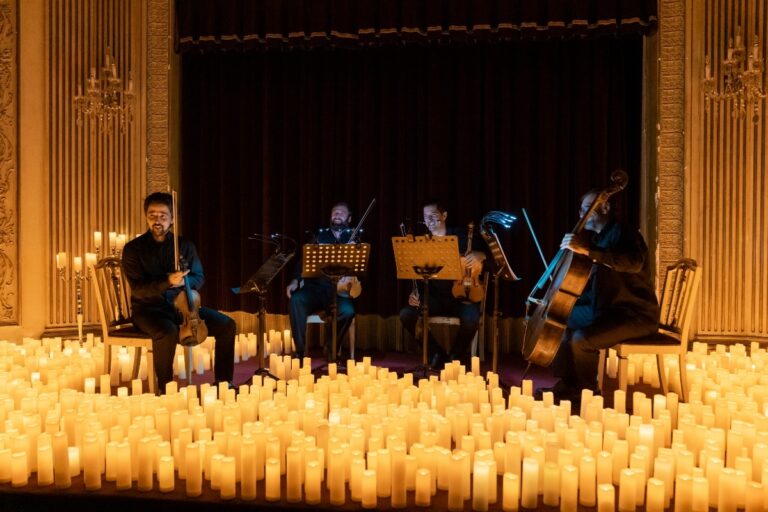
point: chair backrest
(678, 296)
(113, 294)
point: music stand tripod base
(334, 261)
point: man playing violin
(618, 303)
(441, 299)
(308, 296)
(148, 263)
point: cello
(568, 273)
(192, 330)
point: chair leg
(136, 363)
(151, 377)
(662, 373)
(601, 368)
(352, 334)
(474, 346)
(107, 358)
(683, 377)
(188, 355)
(623, 370)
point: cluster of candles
(374, 437)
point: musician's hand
(577, 243)
(176, 279)
(413, 300)
(473, 261)
(291, 288)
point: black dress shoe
(230, 385)
(561, 391)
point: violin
(192, 330)
(567, 273)
(469, 287)
(349, 286)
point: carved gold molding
(9, 219)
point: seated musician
(618, 303)
(149, 266)
(308, 296)
(441, 299)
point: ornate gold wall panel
(728, 196)
(96, 178)
(9, 219)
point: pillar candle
(194, 460)
(654, 501)
(272, 483)
(91, 469)
(627, 490)
(165, 477)
(248, 472)
(587, 481)
(398, 499)
(755, 497)
(683, 493)
(481, 485)
(335, 475)
(620, 455)
(727, 490)
(569, 488)
(604, 474)
(89, 386)
(44, 465)
(368, 484)
(551, 495)
(455, 476)
(606, 498)
(19, 472)
(123, 478)
(423, 495)
(61, 477)
(713, 467)
(530, 483)
(312, 489)
(228, 488)
(700, 495)
(511, 492)
(293, 475)
(74, 461)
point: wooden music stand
(334, 261)
(425, 258)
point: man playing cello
(618, 302)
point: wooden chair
(321, 319)
(478, 342)
(678, 297)
(113, 301)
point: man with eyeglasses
(149, 266)
(441, 299)
(618, 303)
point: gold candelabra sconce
(105, 100)
(739, 85)
(79, 274)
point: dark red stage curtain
(214, 25)
(270, 140)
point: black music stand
(425, 258)
(258, 284)
(503, 271)
(334, 261)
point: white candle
(700, 495)
(123, 481)
(90, 259)
(228, 489)
(551, 494)
(312, 484)
(511, 492)
(480, 485)
(606, 498)
(272, 483)
(77, 263)
(587, 481)
(44, 465)
(294, 474)
(91, 467)
(194, 470)
(166, 480)
(530, 483)
(569, 488)
(112, 240)
(627, 490)
(61, 477)
(19, 472)
(654, 501)
(248, 475)
(683, 493)
(74, 460)
(755, 497)
(97, 240)
(368, 484)
(423, 495)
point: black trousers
(309, 299)
(440, 304)
(579, 353)
(162, 325)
